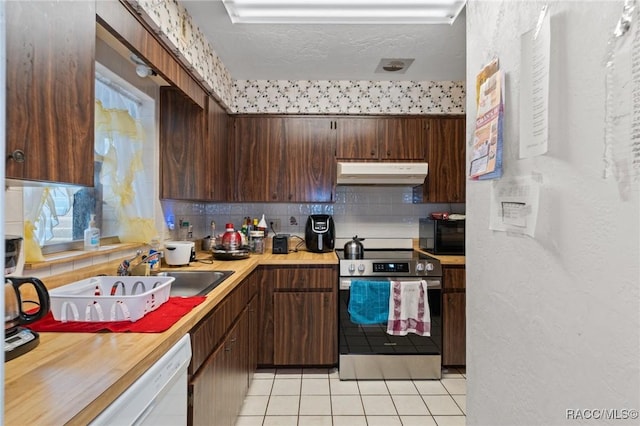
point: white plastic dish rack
(105, 298)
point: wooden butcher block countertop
(445, 259)
(69, 378)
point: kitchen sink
(195, 283)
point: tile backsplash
(368, 211)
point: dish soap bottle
(92, 235)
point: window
(123, 197)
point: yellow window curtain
(119, 145)
(45, 204)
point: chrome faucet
(123, 268)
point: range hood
(376, 173)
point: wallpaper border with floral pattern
(174, 24)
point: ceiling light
(344, 11)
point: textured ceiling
(330, 52)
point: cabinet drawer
(210, 331)
(307, 278)
(207, 335)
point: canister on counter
(257, 241)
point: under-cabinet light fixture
(142, 69)
(344, 11)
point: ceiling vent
(393, 65)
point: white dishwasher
(158, 397)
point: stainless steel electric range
(368, 351)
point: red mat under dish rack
(154, 322)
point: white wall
(553, 322)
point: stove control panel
(391, 267)
(366, 268)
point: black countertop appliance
(320, 233)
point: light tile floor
(317, 397)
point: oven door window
(374, 339)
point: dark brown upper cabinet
(284, 158)
(50, 47)
(446, 182)
(220, 155)
(402, 138)
(259, 158)
(310, 147)
(381, 138)
(185, 170)
(357, 138)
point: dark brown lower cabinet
(253, 346)
(453, 317)
(224, 346)
(265, 314)
(298, 320)
(305, 328)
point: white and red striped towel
(409, 309)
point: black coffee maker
(320, 233)
(17, 339)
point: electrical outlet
(275, 225)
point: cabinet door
(204, 403)
(221, 158)
(305, 328)
(237, 384)
(50, 90)
(454, 278)
(268, 278)
(252, 283)
(253, 343)
(446, 181)
(453, 329)
(260, 161)
(184, 165)
(219, 388)
(310, 148)
(357, 138)
(402, 138)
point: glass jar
(257, 242)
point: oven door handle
(432, 283)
